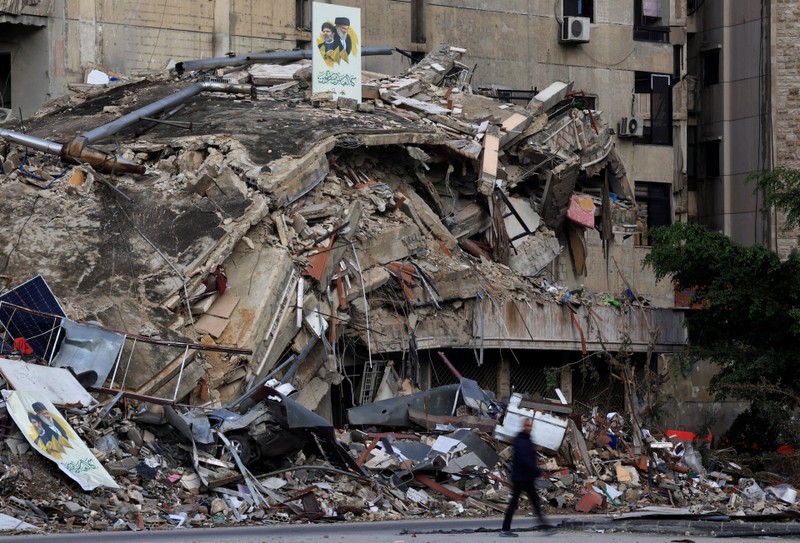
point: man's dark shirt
(524, 466)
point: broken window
(651, 20)
(578, 8)
(653, 203)
(654, 92)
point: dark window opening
(677, 60)
(5, 82)
(651, 20)
(303, 14)
(711, 158)
(418, 34)
(654, 92)
(579, 8)
(710, 67)
(653, 206)
(691, 157)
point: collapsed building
(234, 268)
(347, 237)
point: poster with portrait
(51, 435)
(336, 50)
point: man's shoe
(507, 533)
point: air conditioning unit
(575, 30)
(630, 127)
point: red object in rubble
(22, 346)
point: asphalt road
(408, 531)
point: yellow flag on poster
(51, 435)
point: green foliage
(763, 427)
(781, 188)
(749, 323)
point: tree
(749, 317)
(781, 188)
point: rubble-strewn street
(195, 262)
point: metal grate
(530, 379)
(592, 386)
(485, 375)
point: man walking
(524, 470)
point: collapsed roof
(277, 220)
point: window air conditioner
(630, 127)
(575, 30)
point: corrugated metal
(549, 326)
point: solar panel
(31, 311)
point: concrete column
(89, 34)
(503, 378)
(222, 27)
(566, 382)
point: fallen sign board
(51, 435)
(57, 385)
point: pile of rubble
(202, 291)
(182, 467)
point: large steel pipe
(252, 58)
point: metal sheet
(548, 430)
(56, 384)
(88, 348)
(394, 411)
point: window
(711, 158)
(418, 21)
(656, 90)
(578, 8)
(303, 14)
(651, 20)
(653, 205)
(710, 67)
(5, 82)
(691, 157)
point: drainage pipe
(251, 58)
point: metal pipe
(251, 58)
(115, 126)
(33, 142)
